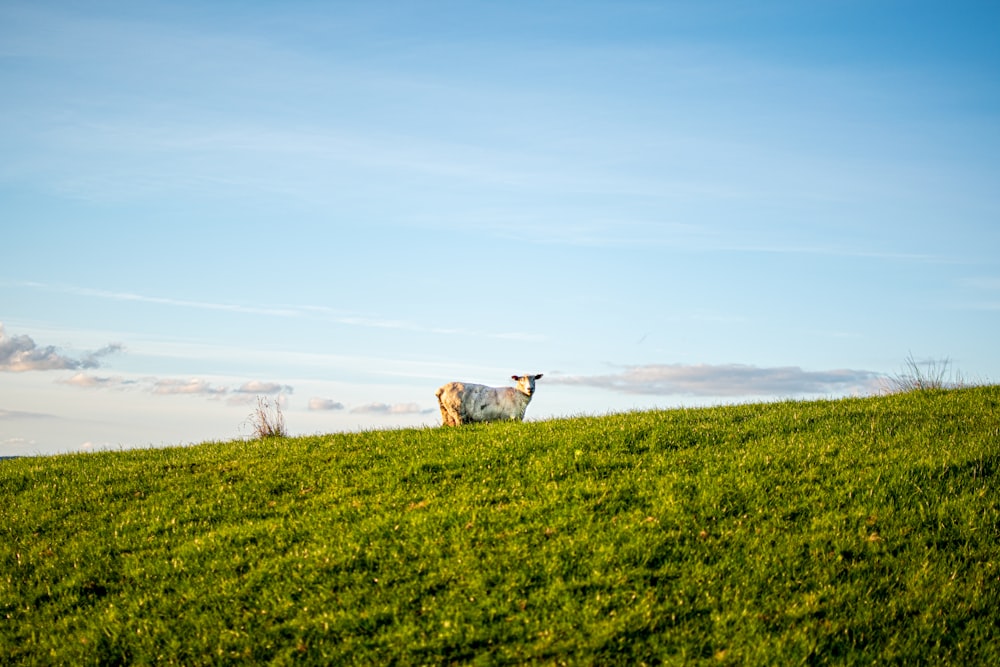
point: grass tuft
(926, 375)
(267, 420)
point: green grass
(850, 531)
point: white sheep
(463, 403)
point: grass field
(849, 531)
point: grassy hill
(847, 531)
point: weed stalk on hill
(267, 421)
(927, 375)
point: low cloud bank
(727, 380)
(85, 381)
(245, 393)
(386, 409)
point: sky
(340, 206)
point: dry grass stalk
(266, 421)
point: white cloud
(317, 403)
(259, 387)
(726, 380)
(250, 392)
(20, 353)
(193, 386)
(85, 381)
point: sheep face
(526, 383)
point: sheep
(463, 403)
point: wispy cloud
(22, 414)
(726, 380)
(91, 359)
(276, 311)
(986, 283)
(284, 311)
(833, 250)
(983, 294)
(20, 353)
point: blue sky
(342, 206)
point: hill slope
(834, 531)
